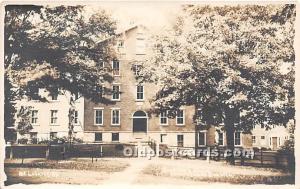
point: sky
(153, 15)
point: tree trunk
(229, 129)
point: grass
(201, 171)
(73, 164)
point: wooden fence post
(47, 151)
(101, 152)
(11, 154)
(261, 157)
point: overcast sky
(152, 15)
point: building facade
(50, 119)
(127, 120)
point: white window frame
(137, 69)
(137, 92)
(164, 124)
(54, 117)
(199, 118)
(112, 118)
(240, 139)
(205, 133)
(112, 96)
(101, 93)
(161, 138)
(253, 137)
(222, 139)
(183, 116)
(182, 139)
(36, 117)
(95, 110)
(112, 66)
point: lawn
(202, 171)
(73, 171)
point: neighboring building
(270, 139)
(50, 119)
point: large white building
(50, 119)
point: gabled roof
(119, 34)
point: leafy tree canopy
(56, 47)
(235, 63)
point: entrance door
(274, 143)
(140, 122)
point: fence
(259, 158)
(63, 151)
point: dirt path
(131, 174)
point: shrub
(22, 141)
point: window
(33, 135)
(270, 141)
(76, 121)
(115, 137)
(221, 139)
(54, 118)
(286, 137)
(201, 138)
(54, 97)
(120, 44)
(116, 92)
(180, 117)
(98, 137)
(262, 126)
(101, 64)
(99, 90)
(163, 138)
(262, 137)
(237, 138)
(137, 69)
(140, 44)
(164, 117)
(116, 67)
(98, 116)
(53, 135)
(279, 141)
(34, 117)
(180, 140)
(75, 96)
(115, 117)
(253, 139)
(140, 92)
(199, 116)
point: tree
(226, 61)
(57, 48)
(24, 124)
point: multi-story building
(50, 119)
(126, 118)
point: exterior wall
(129, 137)
(212, 138)
(278, 133)
(43, 126)
(128, 103)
